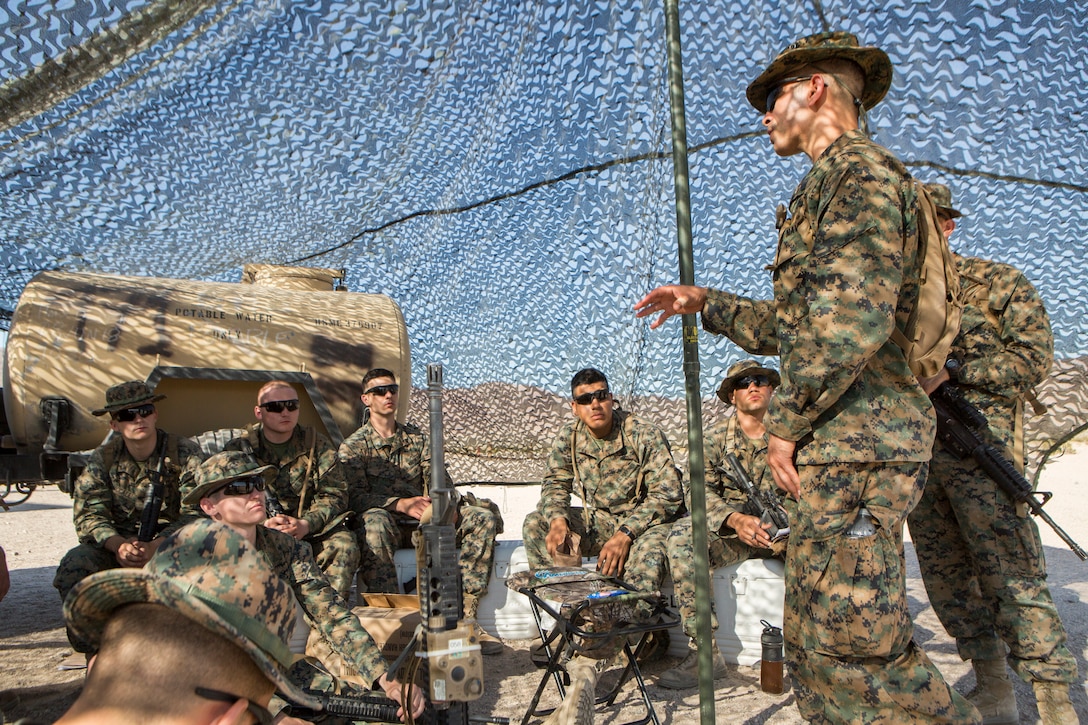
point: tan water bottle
(770, 667)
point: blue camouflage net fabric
(503, 170)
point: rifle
(149, 517)
(764, 504)
(272, 505)
(366, 707)
(959, 425)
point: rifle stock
(149, 517)
(959, 425)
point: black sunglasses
(776, 90)
(129, 414)
(278, 406)
(586, 398)
(264, 717)
(760, 380)
(382, 390)
(243, 486)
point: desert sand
(36, 534)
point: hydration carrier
(935, 320)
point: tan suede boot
(1055, 707)
(489, 645)
(686, 674)
(578, 707)
(993, 695)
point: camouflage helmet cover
(942, 199)
(210, 574)
(127, 395)
(739, 370)
(222, 468)
(874, 63)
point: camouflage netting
(503, 171)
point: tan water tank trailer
(208, 346)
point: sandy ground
(37, 533)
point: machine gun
(959, 425)
(763, 504)
(149, 517)
(454, 671)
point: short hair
(846, 72)
(174, 655)
(587, 376)
(376, 373)
(274, 385)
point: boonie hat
(874, 62)
(209, 573)
(127, 395)
(222, 468)
(739, 370)
(942, 199)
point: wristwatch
(627, 532)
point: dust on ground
(36, 534)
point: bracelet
(627, 532)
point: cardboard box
(391, 627)
(392, 601)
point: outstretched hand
(673, 299)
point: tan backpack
(935, 320)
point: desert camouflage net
(503, 170)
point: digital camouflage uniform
(981, 558)
(210, 574)
(845, 272)
(325, 610)
(723, 498)
(627, 478)
(108, 500)
(310, 486)
(382, 470)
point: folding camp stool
(593, 616)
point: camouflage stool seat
(595, 616)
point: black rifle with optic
(764, 505)
(959, 429)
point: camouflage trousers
(723, 551)
(647, 562)
(848, 631)
(337, 555)
(476, 529)
(983, 567)
(77, 564)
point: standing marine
(979, 553)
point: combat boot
(686, 674)
(489, 645)
(993, 695)
(1055, 707)
(579, 703)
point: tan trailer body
(207, 346)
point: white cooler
(502, 612)
(744, 594)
